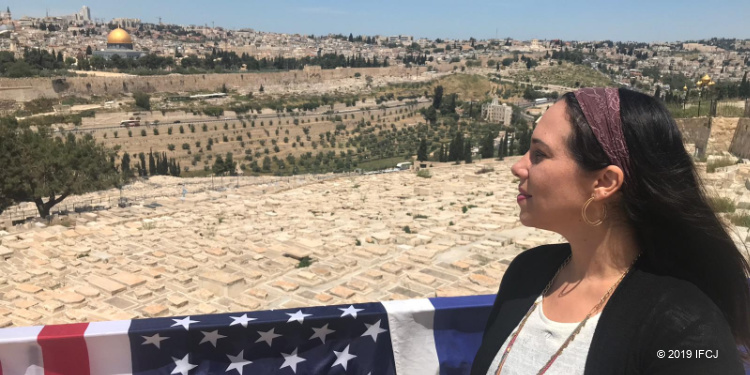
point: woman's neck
(601, 253)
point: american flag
(421, 336)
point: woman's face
(552, 188)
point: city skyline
(577, 20)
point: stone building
(496, 112)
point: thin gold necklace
(575, 331)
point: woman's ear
(609, 182)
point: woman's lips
(522, 197)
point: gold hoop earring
(585, 217)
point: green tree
(39, 167)
(501, 149)
(422, 150)
(467, 151)
(266, 164)
(488, 146)
(142, 100)
(230, 165)
(125, 167)
(437, 97)
(524, 141)
(744, 90)
(430, 115)
(456, 148)
(218, 167)
(151, 164)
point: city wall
(25, 89)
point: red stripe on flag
(64, 349)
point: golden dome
(119, 36)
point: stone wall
(25, 89)
(741, 141)
(695, 133)
(723, 130)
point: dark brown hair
(678, 232)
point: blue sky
(640, 20)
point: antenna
(159, 17)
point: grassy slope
(567, 75)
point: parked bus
(129, 123)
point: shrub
(170, 147)
(143, 132)
(306, 261)
(721, 204)
(725, 162)
(186, 146)
(407, 229)
(742, 220)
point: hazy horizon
(641, 21)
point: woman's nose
(520, 168)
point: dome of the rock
(119, 36)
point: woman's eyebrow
(539, 141)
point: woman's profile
(649, 281)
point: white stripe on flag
(109, 348)
(19, 351)
(412, 337)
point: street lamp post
(704, 84)
(684, 98)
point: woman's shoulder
(681, 318)
(677, 303)
(669, 292)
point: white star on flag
(291, 360)
(182, 366)
(321, 333)
(184, 322)
(243, 320)
(211, 337)
(343, 357)
(373, 330)
(267, 336)
(298, 316)
(155, 339)
(238, 362)
(350, 311)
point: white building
(496, 112)
(85, 14)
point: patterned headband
(601, 107)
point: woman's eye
(538, 155)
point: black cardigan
(646, 313)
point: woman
(649, 281)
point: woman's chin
(525, 219)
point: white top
(539, 340)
